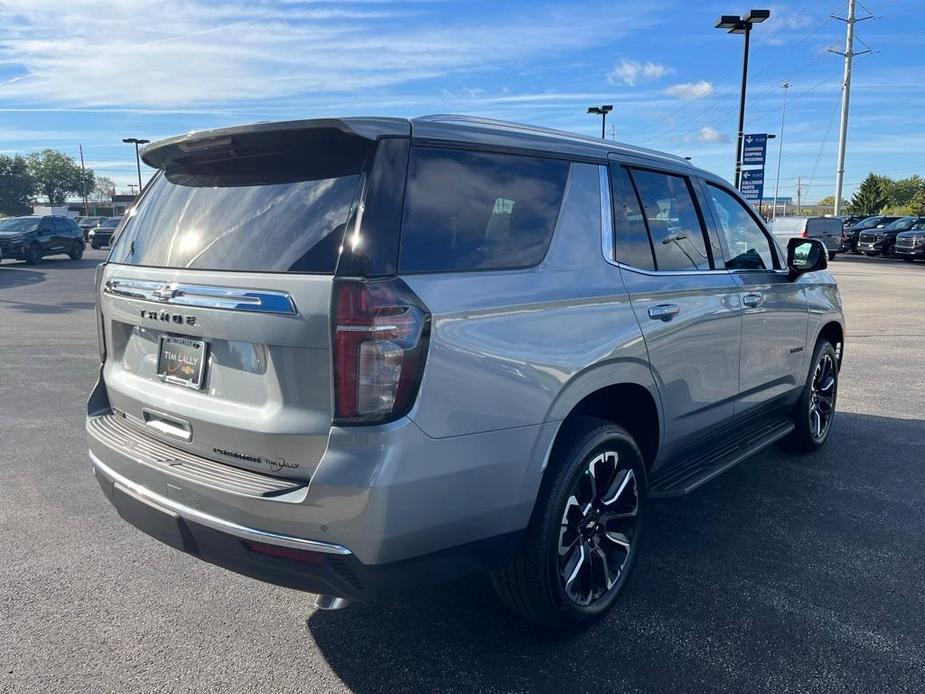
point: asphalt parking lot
(787, 573)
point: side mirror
(806, 255)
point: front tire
(909, 260)
(33, 254)
(583, 537)
(815, 411)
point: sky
(90, 72)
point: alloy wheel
(598, 526)
(822, 397)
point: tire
(33, 254)
(832, 255)
(77, 251)
(95, 246)
(870, 255)
(572, 588)
(815, 410)
(908, 260)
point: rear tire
(815, 410)
(33, 254)
(583, 537)
(832, 255)
(77, 251)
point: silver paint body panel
(511, 354)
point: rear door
(217, 295)
(46, 234)
(688, 309)
(774, 319)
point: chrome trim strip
(202, 296)
(216, 523)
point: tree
(829, 201)
(903, 190)
(103, 188)
(870, 197)
(918, 202)
(16, 185)
(57, 175)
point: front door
(774, 319)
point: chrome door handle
(753, 300)
(664, 311)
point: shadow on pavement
(769, 577)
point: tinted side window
(631, 240)
(674, 225)
(747, 245)
(478, 210)
(60, 226)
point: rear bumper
(293, 562)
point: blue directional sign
(752, 185)
(754, 149)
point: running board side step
(703, 464)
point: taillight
(805, 233)
(380, 343)
(100, 330)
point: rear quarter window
(467, 210)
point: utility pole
(799, 195)
(780, 146)
(613, 132)
(83, 182)
(845, 98)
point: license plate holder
(182, 361)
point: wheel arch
(834, 332)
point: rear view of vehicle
(259, 358)
(828, 230)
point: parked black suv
(911, 244)
(849, 237)
(32, 238)
(882, 240)
(101, 235)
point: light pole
(602, 111)
(135, 141)
(780, 145)
(742, 25)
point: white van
(826, 229)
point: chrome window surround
(608, 250)
(202, 296)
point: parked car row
(879, 235)
(31, 238)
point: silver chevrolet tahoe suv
(354, 356)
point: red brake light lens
(100, 327)
(380, 339)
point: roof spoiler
(227, 140)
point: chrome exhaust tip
(329, 602)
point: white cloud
(630, 72)
(689, 91)
(182, 53)
(708, 134)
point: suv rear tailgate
(265, 399)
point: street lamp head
(757, 16)
(728, 21)
(600, 110)
(135, 141)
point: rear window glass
(279, 211)
(479, 210)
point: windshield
(904, 223)
(110, 223)
(868, 223)
(11, 225)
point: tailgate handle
(165, 424)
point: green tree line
(48, 176)
(884, 195)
